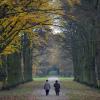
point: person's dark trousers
(47, 92)
(57, 92)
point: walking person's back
(57, 87)
(47, 87)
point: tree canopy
(23, 16)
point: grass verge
(77, 91)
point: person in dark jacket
(57, 87)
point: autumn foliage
(22, 16)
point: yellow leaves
(0, 62)
(1, 38)
(36, 39)
(71, 17)
(76, 1)
(73, 2)
(9, 50)
(16, 40)
(13, 47)
(56, 4)
(8, 2)
(25, 16)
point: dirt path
(40, 93)
(70, 90)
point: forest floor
(70, 90)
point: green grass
(66, 78)
(45, 78)
(77, 91)
(23, 89)
(40, 78)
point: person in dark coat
(47, 87)
(57, 87)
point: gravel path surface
(39, 93)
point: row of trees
(16, 68)
(18, 21)
(84, 31)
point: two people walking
(47, 87)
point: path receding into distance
(40, 93)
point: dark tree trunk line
(17, 66)
(86, 52)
